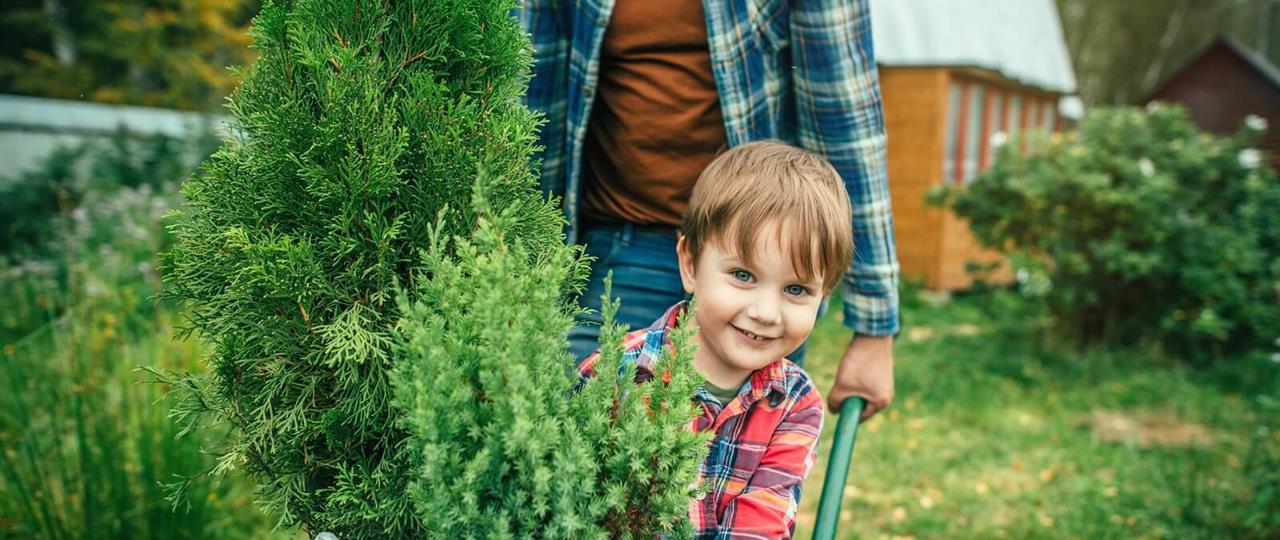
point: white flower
(326, 536)
(1250, 158)
(1275, 358)
(80, 215)
(1023, 275)
(1146, 166)
(1153, 106)
(1255, 122)
(999, 139)
(144, 267)
(93, 288)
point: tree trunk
(64, 45)
(1171, 29)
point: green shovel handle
(838, 469)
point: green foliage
(85, 448)
(362, 123)
(1262, 467)
(1139, 226)
(993, 435)
(142, 52)
(484, 375)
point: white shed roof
(1020, 39)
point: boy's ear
(687, 264)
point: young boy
(766, 236)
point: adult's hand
(866, 370)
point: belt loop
(628, 232)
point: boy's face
(748, 315)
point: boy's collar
(770, 378)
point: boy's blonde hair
(765, 182)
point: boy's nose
(765, 310)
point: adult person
(640, 95)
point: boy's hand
(866, 370)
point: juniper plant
(504, 443)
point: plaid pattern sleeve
(839, 115)
(548, 86)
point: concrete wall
(31, 128)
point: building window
(954, 102)
(1015, 118)
(973, 131)
(1032, 132)
(1049, 123)
(995, 124)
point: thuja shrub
(506, 441)
(1140, 226)
(360, 125)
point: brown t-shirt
(656, 121)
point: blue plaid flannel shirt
(800, 71)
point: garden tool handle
(838, 469)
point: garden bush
(1140, 227)
(363, 129)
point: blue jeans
(646, 278)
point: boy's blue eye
(797, 290)
(742, 275)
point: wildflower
(1250, 158)
(1146, 166)
(999, 139)
(1255, 122)
(1275, 357)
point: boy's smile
(748, 314)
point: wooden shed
(955, 76)
(1224, 84)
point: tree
(142, 52)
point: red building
(1222, 86)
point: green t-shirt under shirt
(723, 395)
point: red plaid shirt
(765, 441)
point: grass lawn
(992, 435)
